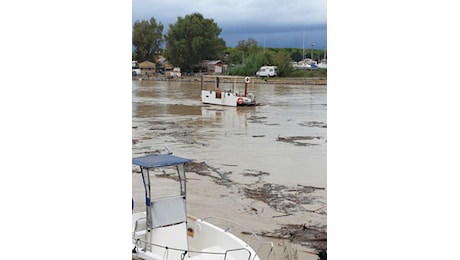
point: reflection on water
(226, 117)
(147, 110)
(237, 139)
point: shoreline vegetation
(256, 80)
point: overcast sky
(273, 23)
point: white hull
(225, 99)
(302, 67)
(323, 64)
(205, 241)
(306, 64)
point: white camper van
(267, 71)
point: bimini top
(159, 160)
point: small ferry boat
(165, 231)
(222, 90)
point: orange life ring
(240, 101)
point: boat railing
(259, 243)
(140, 231)
(141, 244)
(210, 82)
(256, 242)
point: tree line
(194, 38)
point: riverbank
(255, 80)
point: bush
(317, 73)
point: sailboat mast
(303, 45)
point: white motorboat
(165, 231)
(305, 64)
(222, 90)
(322, 64)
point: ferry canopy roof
(159, 160)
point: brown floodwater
(285, 137)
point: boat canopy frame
(169, 210)
(223, 81)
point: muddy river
(264, 166)
(284, 137)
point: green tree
(266, 57)
(283, 62)
(147, 38)
(244, 49)
(248, 46)
(252, 63)
(296, 54)
(191, 40)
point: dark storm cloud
(277, 36)
(279, 24)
